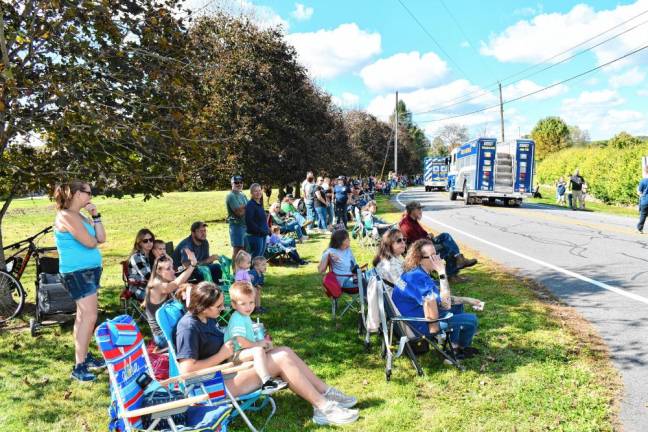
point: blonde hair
(240, 257)
(258, 260)
(276, 229)
(64, 192)
(415, 254)
(241, 289)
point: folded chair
(398, 329)
(122, 347)
(132, 294)
(167, 317)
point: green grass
(549, 198)
(537, 371)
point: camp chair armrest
(168, 406)
(225, 368)
(416, 319)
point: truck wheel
(452, 196)
(466, 197)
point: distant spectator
(285, 223)
(198, 244)
(320, 204)
(139, 263)
(256, 222)
(288, 207)
(561, 188)
(576, 186)
(341, 258)
(328, 190)
(235, 202)
(286, 244)
(342, 194)
(642, 191)
(308, 191)
(372, 222)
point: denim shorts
(237, 235)
(82, 283)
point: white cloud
(592, 81)
(404, 71)
(328, 53)
(465, 44)
(527, 86)
(547, 34)
(601, 113)
(302, 13)
(346, 100)
(630, 78)
(263, 16)
(642, 92)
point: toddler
(242, 264)
(257, 279)
(286, 244)
(246, 344)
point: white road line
(537, 261)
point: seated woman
(285, 224)
(200, 344)
(340, 258)
(420, 262)
(288, 207)
(161, 286)
(371, 222)
(389, 259)
(139, 262)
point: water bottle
(259, 330)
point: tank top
(73, 255)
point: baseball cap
(413, 205)
(197, 225)
(341, 178)
(237, 178)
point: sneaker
(334, 414)
(343, 400)
(640, 231)
(80, 373)
(272, 386)
(93, 363)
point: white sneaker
(343, 400)
(334, 414)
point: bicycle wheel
(12, 296)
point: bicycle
(12, 293)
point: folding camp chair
(360, 231)
(334, 291)
(399, 329)
(132, 294)
(167, 317)
(122, 347)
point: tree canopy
(550, 134)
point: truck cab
(435, 173)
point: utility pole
(396, 137)
(501, 111)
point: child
(257, 272)
(242, 264)
(285, 244)
(561, 188)
(246, 343)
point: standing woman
(256, 222)
(77, 238)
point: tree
(550, 134)
(369, 139)
(100, 85)
(623, 140)
(439, 147)
(453, 135)
(578, 137)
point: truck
(483, 171)
(435, 173)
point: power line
(481, 92)
(540, 90)
(433, 39)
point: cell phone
(143, 380)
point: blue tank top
(73, 255)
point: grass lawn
(541, 367)
(549, 198)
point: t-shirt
(316, 201)
(242, 276)
(201, 251)
(643, 190)
(233, 201)
(409, 298)
(239, 325)
(341, 194)
(258, 279)
(288, 208)
(344, 266)
(308, 188)
(576, 183)
(197, 340)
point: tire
(452, 196)
(466, 197)
(12, 296)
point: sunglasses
(428, 257)
(147, 240)
(237, 183)
(400, 240)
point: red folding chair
(130, 302)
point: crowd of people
(418, 266)
(572, 192)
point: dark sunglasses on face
(237, 183)
(400, 240)
(428, 257)
(147, 240)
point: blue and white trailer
(435, 173)
(483, 171)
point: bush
(612, 174)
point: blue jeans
(321, 217)
(301, 220)
(463, 325)
(643, 212)
(256, 245)
(447, 249)
(237, 235)
(310, 210)
(330, 214)
(292, 227)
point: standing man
(308, 192)
(642, 191)
(198, 244)
(256, 222)
(341, 194)
(576, 185)
(236, 202)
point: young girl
(257, 272)
(247, 344)
(286, 244)
(162, 284)
(242, 264)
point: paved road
(594, 262)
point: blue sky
(362, 51)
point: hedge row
(612, 174)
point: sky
(446, 57)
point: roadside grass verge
(549, 198)
(541, 368)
